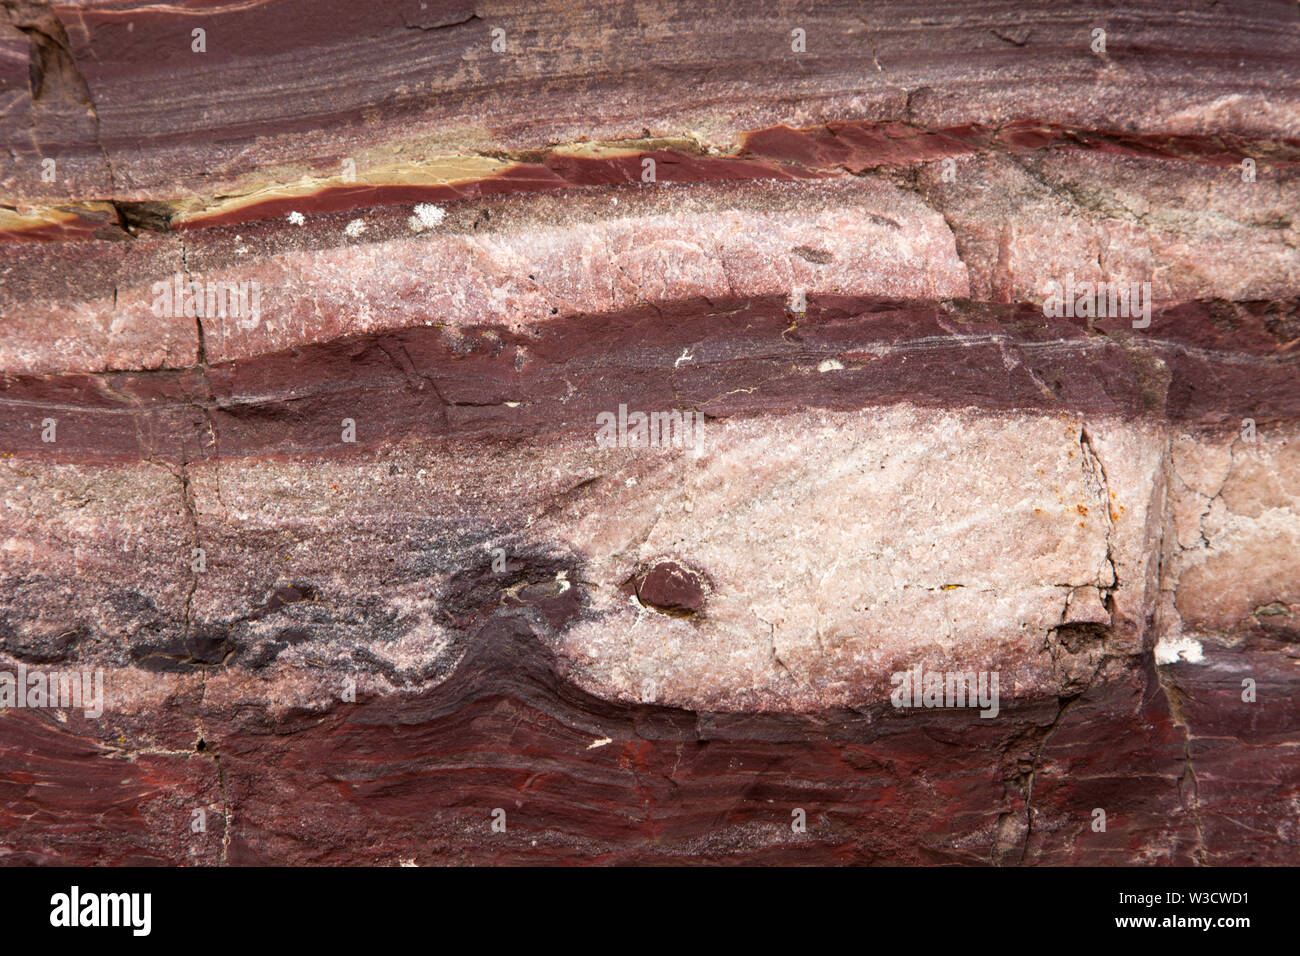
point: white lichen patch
(1172, 650)
(427, 216)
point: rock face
(470, 433)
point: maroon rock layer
(365, 586)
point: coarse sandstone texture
(357, 569)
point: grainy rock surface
(611, 429)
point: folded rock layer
(591, 472)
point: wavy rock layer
(366, 580)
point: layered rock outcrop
(576, 451)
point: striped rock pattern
(567, 453)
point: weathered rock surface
(362, 569)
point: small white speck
(354, 228)
(599, 743)
(830, 365)
(426, 216)
(686, 356)
(297, 218)
(1182, 648)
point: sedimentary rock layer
(294, 87)
(338, 483)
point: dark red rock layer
(232, 685)
(118, 91)
(1199, 364)
(418, 778)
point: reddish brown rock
(672, 589)
(363, 577)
